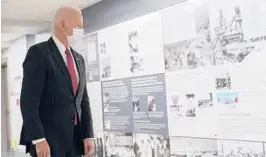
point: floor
(14, 154)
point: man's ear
(62, 24)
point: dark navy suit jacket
(48, 104)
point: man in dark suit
(55, 106)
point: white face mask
(78, 34)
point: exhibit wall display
(135, 104)
(133, 48)
(187, 80)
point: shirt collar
(59, 45)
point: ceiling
(20, 17)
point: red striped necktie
(72, 72)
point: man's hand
(88, 147)
(43, 149)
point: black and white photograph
(236, 53)
(223, 81)
(151, 145)
(183, 105)
(106, 102)
(202, 42)
(98, 144)
(106, 67)
(133, 42)
(103, 49)
(228, 39)
(233, 53)
(240, 149)
(176, 104)
(187, 54)
(136, 64)
(106, 107)
(193, 147)
(228, 24)
(194, 52)
(107, 124)
(175, 56)
(106, 98)
(205, 100)
(135, 104)
(190, 105)
(187, 44)
(202, 23)
(182, 55)
(151, 103)
(118, 144)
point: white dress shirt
(62, 50)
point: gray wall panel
(110, 12)
(30, 40)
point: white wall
(42, 37)
(15, 55)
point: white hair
(58, 15)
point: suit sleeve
(34, 73)
(86, 117)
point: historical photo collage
(170, 83)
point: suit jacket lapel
(58, 57)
